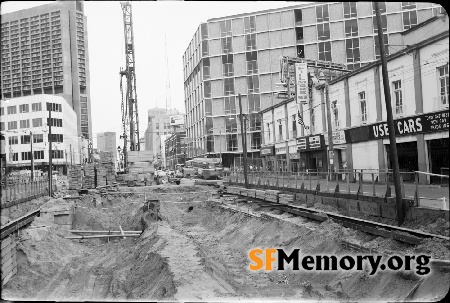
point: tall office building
(107, 142)
(240, 54)
(158, 125)
(44, 51)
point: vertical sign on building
(301, 83)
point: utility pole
(244, 141)
(32, 157)
(330, 131)
(49, 150)
(390, 123)
(71, 164)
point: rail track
(401, 234)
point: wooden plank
(5, 242)
(6, 264)
(7, 249)
(7, 277)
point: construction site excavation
(193, 242)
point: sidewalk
(430, 195)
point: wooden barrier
(9, 258)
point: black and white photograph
(224, 151)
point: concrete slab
(388, 211)
(331, 201)
(370, 208)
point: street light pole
(49, 150)
(330, 131)
(244, 141)
(32, 156)
(390, 122)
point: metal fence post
(373, 184)
(416, 192)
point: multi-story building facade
(175, 149)
(158, 125)
(24, 123)
(419, 88)
(45, 51)
(240, 54)
(106, 141)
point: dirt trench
(196, 252)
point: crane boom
(130, 117)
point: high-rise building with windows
(44, 50)
(240, 54)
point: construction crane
(129, 107)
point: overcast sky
(152, 21)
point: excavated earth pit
(198, 251)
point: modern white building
(24, 123)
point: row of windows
(38, 155)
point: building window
(230, 105)
(157, 126)
(325, 51)
(206, 69)
(255, 122)
(322, 13)
(204, 29)
(409, 19)
(249, 24)
(351, 28)
(254, 103)
(37, 122)
(252, 62)
(397, 87)
(335, 110)
(383, 24)
(210, 144)
(232, 142)
(15, 157)
(298, 17)
(24, 108)
(208, 107)
(2, 126)
(2, 111)
(26, 156)
(323, 31)
(443, 84)
(38, 138)
(25, 123)
(253, 84)
(227, 62)
(39, 154)
(349, 9)
(231, 124)
(250, 42)
(268, 131)
(205, 49)
(12, 125)
(13, 140)
(225, 28)
(226, 45)
(381, 6)
(363, 107)
(256, 140)
(377, 46)
(294, 126)
(12, 110)
(228, 86)
(280, 130)
(438, 10)
(408, 5)
(207, 90)
(352, 47)
(25, 139)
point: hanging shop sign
(314, 142)
(301, 83)
(425, 123)
(267, 151)
(338, 137)
(280, 150)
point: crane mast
(130, 117)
